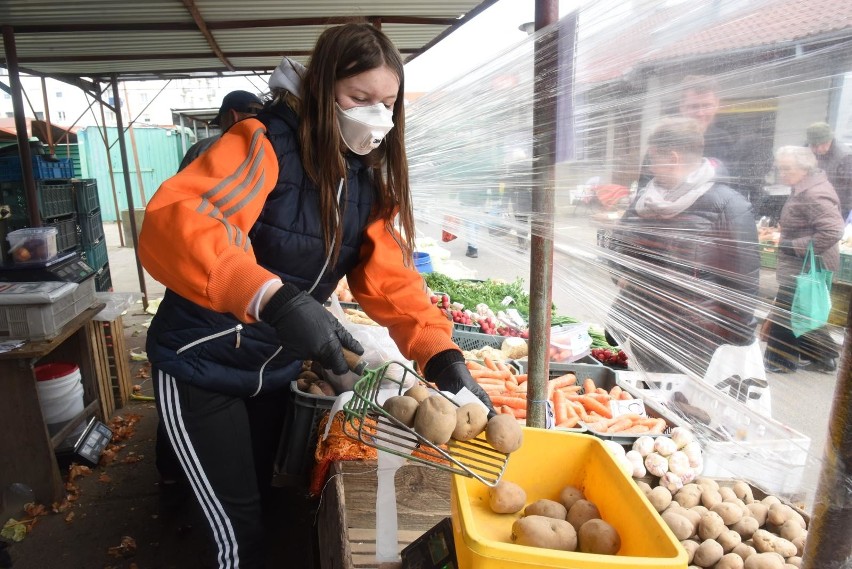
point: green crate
(768, 256)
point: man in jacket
(835, 160)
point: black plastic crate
(295, 456)
(469, 341)
(92, 228)
(86, 193)
(44, 167)
(103, 280)
(96, 255)
(68, 237)
(55, 199)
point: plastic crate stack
(54, 194)
(92, 231)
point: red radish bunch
(610, 357)
(488, 326)
(507, 331)
(461, 317)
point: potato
(746, 527)
(769, 500)
(546, 508)
(435, 419)
(419, 392)
(597, 536)
(402, 408)
(729, 539)
(710, 498)
(706, 483)
(569, 495)
(693, 516)
(644, 486)
(681, 527)
(504, 433)
(581, 512)
(759, 512)
(730, 561)
(795, 561)
(660, 498)
(708, 553)
(549, 533)
(743, 491)
(727, 494)
(791, 529)
(764, 561)
(691, 547)
(688, 496)
(315, 389)
(471, 419)
(799, 542)
(744, 551)
(711, 526)
(766, 542)
(700, 509)
(780, 513)
(506, 498)
(730, 513)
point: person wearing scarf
(686, 259)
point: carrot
(620, 425)
(625, 396)
(471, 365)
(589, 385)
(560, 407)
(601, 397)
(513, 402)
(505, 410)
(502, 367)
(489, 363)
(569, 423)
(519, 413)
(635, 430)
(659, 428)
(592, 404)
(615, 392)
(521, 378)
(569, 379)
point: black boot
(472, 252)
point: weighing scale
(67, 267)
(89, 445)
(435, 549)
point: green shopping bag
(812, 299)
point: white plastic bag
(738, 371)
(379, 348)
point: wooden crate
(347, 514)
(113, 369)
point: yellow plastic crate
(547, 462)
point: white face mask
(364, 128)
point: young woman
(252, 237)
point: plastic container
(768, 255)
(92, 228)
(43, 167)
(96, 254)
(295, 456)
(469, 341)
(482, 538)
(38, 311)
(60, 394)
(422, 262)
(86, 193)
(103, 280)
(32, 245)
(68, 238)
(570, 342)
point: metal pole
(126, 166)
(47, 116)
(107, 147)
(135, 153)
(543, 200)
(829, 541)
(182, 136)
(21, 125)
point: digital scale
(89, 445)
(435, 549)
(67, 267)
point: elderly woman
(687, 261)
(810, 215)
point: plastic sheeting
(681, 253)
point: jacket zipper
(263, 367)
(194, 343)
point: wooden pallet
(111, 362)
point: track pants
(225, 446)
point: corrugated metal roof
(159, 38)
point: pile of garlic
(675, 460)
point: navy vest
(287, 240)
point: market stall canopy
(166, 38)
(36, 128)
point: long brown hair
(341, 52)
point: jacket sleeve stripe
(251, 173)
(256, 140)
(258, 185)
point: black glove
(448, 371)
(307, 330)
(786, 248)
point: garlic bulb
(678, 463)
(644, 445)
(671, 482)
(664, 446)
(682, 436)
(656, 464)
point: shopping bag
(738, 372)
(812, 299)
(450, 228)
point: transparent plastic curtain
(679, 254)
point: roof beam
(227, 25)
(147, 56)
(205, 31)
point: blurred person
(835, 160)
(517, 183)
(236, 106)
(687, 262)
(251, 238)
(810, 215)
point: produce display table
(26, 448)
(347, 515)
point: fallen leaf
(105, 478)
(14, 530)
(69, 517)
(127, 548)
(34, 510)
(77, 470)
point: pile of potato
(437, 419)
(570, 523)
(724, 527)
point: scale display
(435, 549)
(69, 268)
(93, 441)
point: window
(10, 115)
(61, 115)
(39, 115)
(59, 94)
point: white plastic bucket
(60, 393)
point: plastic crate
(482, 537)
(768, 255)
(103, 280)
(295, 456)
(55, 199)
(68, 238)
(43, 168)
(92, 228)
(96, 255)
(469, 341)
(28, 318)
(738, 442)
(844, 273)
(86, 195)
(466, 327)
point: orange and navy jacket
(244, 213)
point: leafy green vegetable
(14, 530)
(489, 292)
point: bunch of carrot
(572, 401)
